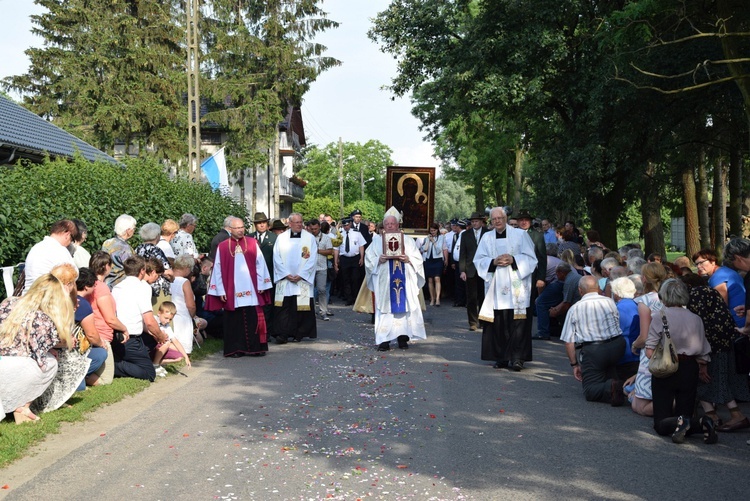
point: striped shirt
(593, 318)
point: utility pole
(362, 181)
(341, 177)
(194, 97)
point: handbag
(742, 355)
(664, 361)
(81, 343)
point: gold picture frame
(411, 190)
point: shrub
(33, 196)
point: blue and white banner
(215, 170)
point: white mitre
(395, 213)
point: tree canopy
(529, 102)
(115, 71)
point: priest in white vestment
(239, 285)
(294, 263)
(396, 283)
(505, 260)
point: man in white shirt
(592, 326)
(349, 257)
(453, 241)
(132, 296)
(51, 251)
(325, 249)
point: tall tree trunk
(735, 187)
(605, 210)
(719, 206)
(653, 230)
(517, 180)
(703, 219)
(479, 195)
(692, 237)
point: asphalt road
(335, 419)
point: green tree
(259, 60)
(363, 165)
(452, 200)
(109, 71)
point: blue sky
(346, 101)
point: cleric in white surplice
(396, 284)
(294, 261)
(505, 259)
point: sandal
(683, 425)
(709, 430)
(714, 417)
(24, 415)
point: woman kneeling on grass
(29, 327)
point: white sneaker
(325, 318)
(160, 371)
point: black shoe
(541, 338)
(500, 365)
(683, 425)
(295, 340)
(281, 340)
(385, 346)
(709, 430)
(234, 355)
(517, 366)
(330, 313)
(404, 345)
(617, 397)
(261, 354)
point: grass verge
(16, 440)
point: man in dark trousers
(266, 239)
(525, 218)
(358, 225)
(474, 283)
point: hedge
(33, 196)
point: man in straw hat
(396, 284)
(469, 243)
(266, 239)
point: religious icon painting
(411, 190)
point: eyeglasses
(699, 263)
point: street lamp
(341, 176)
(363, 181)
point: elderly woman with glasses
(726, 281)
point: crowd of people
(81, 319)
